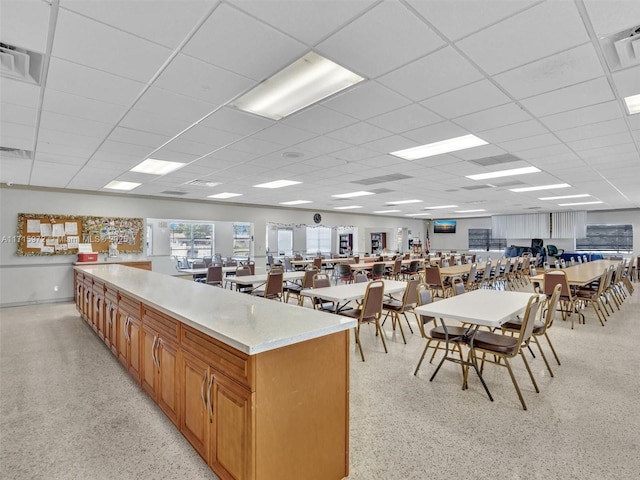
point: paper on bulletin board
(70, 228)
(58, 230)
(47, 250)
(45, 230)
(33, 225)
(73, 242)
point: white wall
(39, 279)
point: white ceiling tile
(15, 171)
(230, 120)
(173, 156)
(65, 138)
(607, 17)
(386, 37)
(257, 146)
(478, 152)
(436, 73)
(138, 137)
(152, 122)
(114, 160)
(126, 149)
(25, 24)
(210, 137)
(62, 159)
(52, 174)
(366, 100)
(284, 134)
(81, 126)
(234, 41)
(628, 81)
(185, 109)
(608, 151)
(194, 78)
(109, 49)
(583, 116)
(557, 71)
(513, 132)
(19, 93)
(468, 99)
(601, 141)
(75, 106)
(88, 82)
(327, 16)
(16, 130)
(406, 118)
(181, 144)
(166, 22)
(72, 150)
(318, 119)
(387, 144)
(493, 117)
(354, 154)
(12, 113)
(323, 145)
(569, 98)
(529, 142)
(462, 17)
(359, 133)
(593, 130)
(519, 39)
(435, 133)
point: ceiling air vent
(622, 49)
(202, 183)
(20, 64)
(8, 152)
(497, 160)
(173, 192)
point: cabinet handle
(153, 349)
(97, 303)
(209, 396)
(155, 356)
(204, 380)
(126, 328)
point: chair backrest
(553, 278)
(378, 270)
(317, 262)
(487, 271)
(397, 267)
(252, 266)
(557, 264)
(287, 264)
(360, 277)
(307, 280)
(546, 266)
(275, 284)
(243, 271)
(432, 276)
(373, 300)
(473, 272)
(231, 263)
(198, 264)
(552, 304)
(528, 319)
(214, 274)
(533, 271)
(424, 298)
(584, 259)
(458, 286)
(414, 266)
(207, 261)
(321, 280)
(410, 296)
(343, 270)
(563, 264)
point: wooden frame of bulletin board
(48, 234)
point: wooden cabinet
(160, 368)
(110, 319)
(78, 286)
(128, 337)
(98, 308)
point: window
(481, 239)
(241, 239)
(191, 240)
(285, 241)
(319, 239)
(607, 238)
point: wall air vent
(15, 153)
(20, 64)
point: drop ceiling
(126, 81)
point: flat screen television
(444, 226)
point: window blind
(532, 225)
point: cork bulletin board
(50, 234)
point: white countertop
(247, 323)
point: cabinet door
(134, 356)
(231, 428)
(122, 341)
(148, 372)
(194, 418)
(110, 327)
(168, 397)
(99, 314)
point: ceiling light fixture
(225, 195)
(470, 211)
(277, 184)
(562, 197)
(118, 185)
(578, 203)
(540, 187)
(352, 194)
(504, 173)
(296, 202)
(403, 202)
(440, 206)
(633, 104)
(157, 167)
(387, 211)
(438, 148)
(416, 214)
(306, 81)
(348, 207)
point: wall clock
(317, 218)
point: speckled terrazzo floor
(69, 411)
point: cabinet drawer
(166, 326)
(233, 363)
(129, 305)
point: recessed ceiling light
(470, 211)
(348, 207)
(403, 202)
(441, 206)
(633, 104)
(387, 211)
(504, 173)
(540, 187)
(581, 195)
(225, 195)
(157, 167)
(296, 202)
(353, 194)
(438, 148)
(578, 203)
(417, 214)
(277, 184)
(307, 80)
(118, 185)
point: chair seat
(355, 313)
(392, 304)
(538, 326)
(438, 333)
(496, 342)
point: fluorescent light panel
(350, 207)
(562, 197)
(438, 148)
(578, 203)
(157, 167)
(387, 211)
(277, 184)
(295, 202)
(470, 211)
(633, 104)
(504, 173)
(307, 80)
(416, 214)
(540, 187)
(225, 195)
(440, 206)
(353, 194)
(118, 185)
(404, 202)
